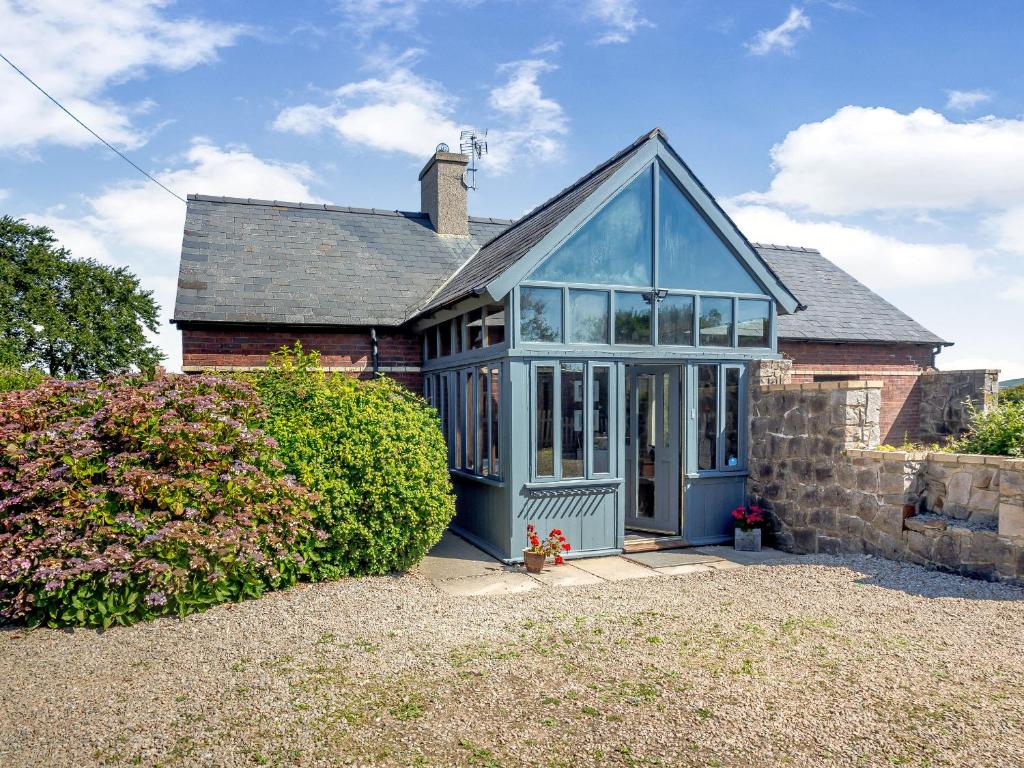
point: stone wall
(813, 467)
(943, 411)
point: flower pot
(909, 510)
(534, 561)
(748, 541)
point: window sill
(578, 482)
(483, 480)
(713, 473)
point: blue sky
(889, 135)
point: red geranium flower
(559, 560)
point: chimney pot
(443, 193)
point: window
(475, 329)
(675, 321)
(707, 417)
(691, 254)
(442, 409)
(495, 422)
(544, 414)
(457, 426)
(540, 312)
(632, 318)
(600, 445)
(715, 322)
(572, 420)
(752, 320)
(468, 425)
(483, 441)
(495, 324)
(616, 247)
(431, 340)
(457, 335)
(588, 317)
(731, 419)
(445, 337)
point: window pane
(690, 252)
(457, 335)
(495, 324)
(615, 247)
(475, 329)
(442, 409)
(457, 426)
(731, 418)
(707, 416)
(752, 323)
(675, 321)
(599, 392)
(715, 322)
(495, 390)
(483, 388)
(544, 461)
(431, 336)
(572, 420)
(588, 317)
(632, 319)
(468, 423)
(446, 338)
(540, 311)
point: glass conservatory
(603, 391)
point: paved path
(457, 567)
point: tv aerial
(474, 144)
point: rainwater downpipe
(374, 352)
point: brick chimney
(443, 193)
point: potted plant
(749, 522)
(539, 550)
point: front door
(652, 445)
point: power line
(90, 130)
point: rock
(958, 490)
(1011, 519)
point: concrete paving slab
(567, 575)
(746, 558)
(455, 558)
(508, 583)
(614, 568)
(670, 557)
(686, 570)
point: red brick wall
(897, 366)
(399, 354)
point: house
(589, 362)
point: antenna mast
(474, 144)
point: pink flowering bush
(129, 498)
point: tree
(69, 317)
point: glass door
(653, 442)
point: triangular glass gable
(616, 247)
(691, 255)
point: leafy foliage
(999, 432)
(15, 378)
(70, 317)
(1014, 394)
(373, 454)
(130, 498)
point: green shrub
(1014, 394)
(129, 498)
(373, 454)
(12, 379)
(999, 432)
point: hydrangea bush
(131, 498)
(373, 453)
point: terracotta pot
(909, 510)
(534, 561)
(747, 541)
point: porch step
(634, 544)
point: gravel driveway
(827, 661)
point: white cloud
(78, 51)
(547, 46)
(369, 16)
(879, 261)
(1013, 290)
(783, 37)
(4, 194)
(877, 159)
(963, 101)
(620, 18)
(533, 124)
(138, 225)
(399, 112)
(1007, 227)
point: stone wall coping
(820, 385)
(1002, 462)
(874, 453)
(961, 370)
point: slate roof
(263, 261)
(838, 307)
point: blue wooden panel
(706, 518)
(587, 517)
(483, 512)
